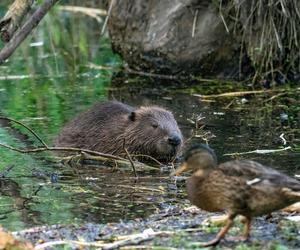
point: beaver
(105, 127)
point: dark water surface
(51, 78)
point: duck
(237, 187)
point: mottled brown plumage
(105, 126)
(239, 187)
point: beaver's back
(93, 127)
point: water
(44, 86)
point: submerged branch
(149, 157)
(234, 94)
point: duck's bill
(180, 170)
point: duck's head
(198, 157)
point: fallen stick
(243, 93)
(129, 158)
(26, 127)
(259, 151)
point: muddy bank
(179, 226)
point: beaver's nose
(174, 140)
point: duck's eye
(154, 125)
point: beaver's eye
(154, 125)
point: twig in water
(140, 188)
(259, 151)
(243, 93)
(78, 150)
(283, 139)
(160, 76)
(149, 157)
(129, 158)
(234, 94)
(25, 126)
(274, 96)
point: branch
(92, 12)
(22, 33)
(129, 158)
(25, 126)
(77, 150)
(112, 2)
(13, 18)
(149, 157)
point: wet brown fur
(104, 127)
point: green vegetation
(47, 80)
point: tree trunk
(173, 36)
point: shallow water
(43, 86)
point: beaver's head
(153, 131)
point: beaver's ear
(132, 116)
